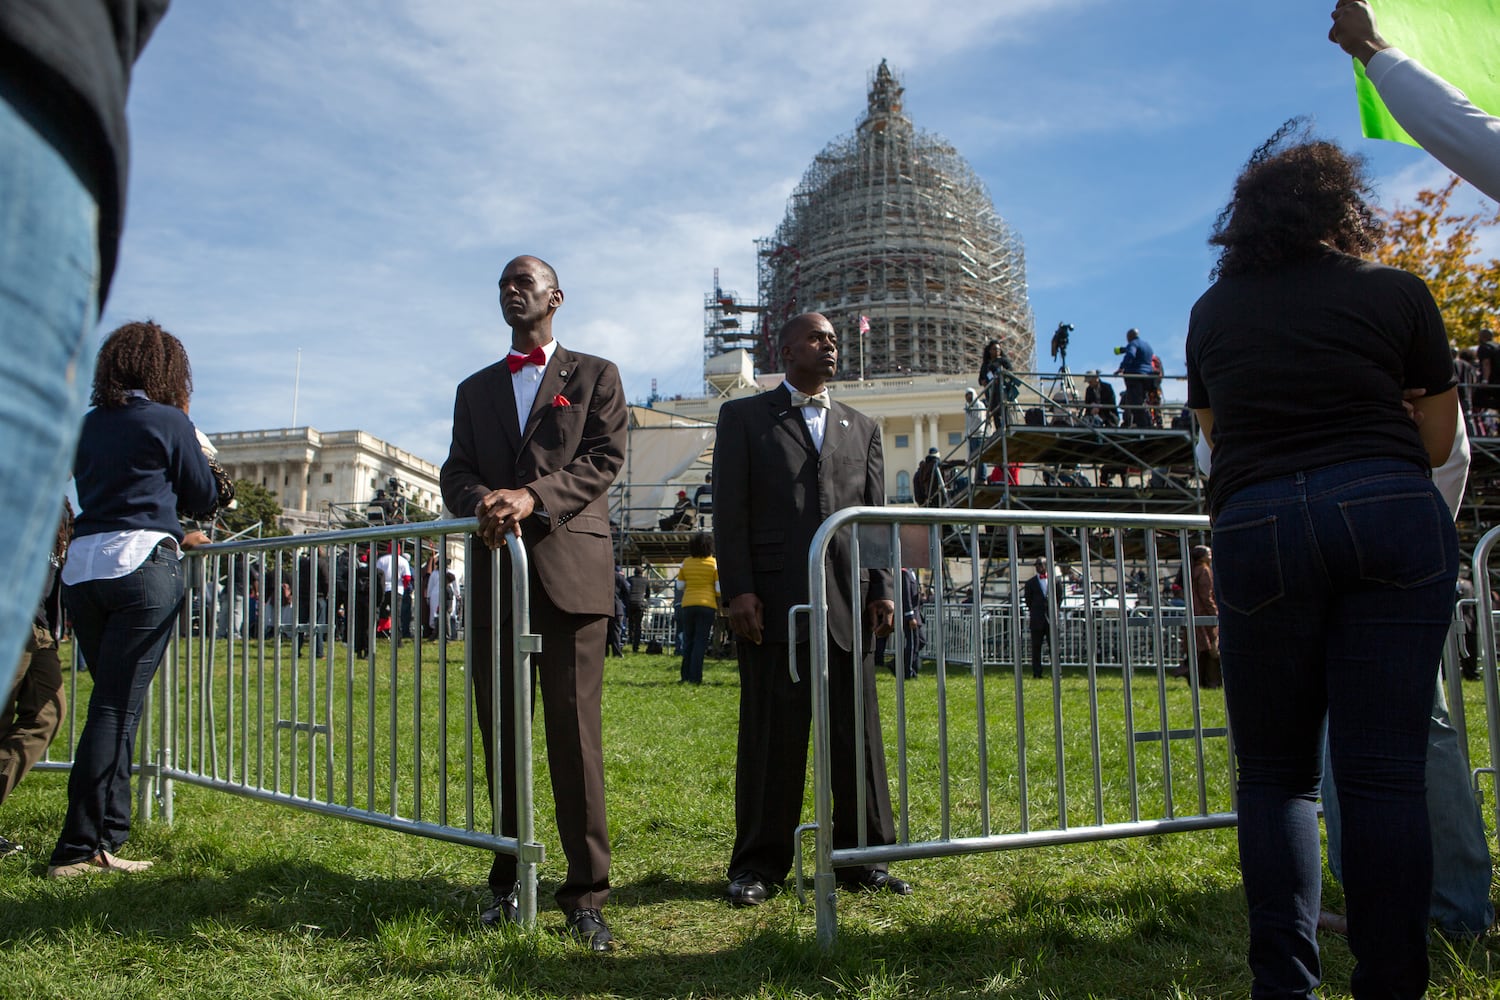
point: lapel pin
(563, 373)
(843, 423)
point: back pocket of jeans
(1397, 539)
(1247, 565)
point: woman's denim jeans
(697, 627)
(1335, 590)
(122, 627)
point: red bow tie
(516, 361)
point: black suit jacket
(773, 489)
(1036, 601)
(568, 455)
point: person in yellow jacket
(699, 576)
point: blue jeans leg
(1335, 589)
(1460, 851)
(697, 626)
(49, 272)
(122, 628)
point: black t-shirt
(1304, 367)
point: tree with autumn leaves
(1441, 245)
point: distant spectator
(616, 643)
(1040, 613)
(681, 518)
(997, 381)
(1200, 584)
(1139, 374)
(699, 579)
(640, 596)
(1099, 405)
(703, 496)
(927, 483)
(1466, 370)
(975, 429)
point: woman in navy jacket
(138, 462)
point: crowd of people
(1332, 572)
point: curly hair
(142, 356)
(1295, 197)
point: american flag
(864, 325)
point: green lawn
(254, 900)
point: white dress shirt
(527, 381)
(815, 417)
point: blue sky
(349, 179)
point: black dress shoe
(877, 881)
(502, 910)
(747, 890)
(587, 926)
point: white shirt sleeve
(1440, 117)
(1451, 477)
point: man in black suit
(538, 438)
(783, 462)
(1041, 614)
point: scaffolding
(891, 227)
(728, 322)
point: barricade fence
(1485, 579)
(1110, 742)
(269, 706)
(313, 709)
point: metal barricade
(276, 706)
(1485, 582)
(951, 796)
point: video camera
(1060, 340)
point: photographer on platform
(1136, 367)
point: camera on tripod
(1060, 341)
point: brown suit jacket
(567, 455)
(772, 489)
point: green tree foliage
(253, 503)
(1441, 245)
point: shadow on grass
(1139, 940)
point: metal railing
(280, 712)
(1484, 576)
(1007, 765)
(1142, 756)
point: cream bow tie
(816, 399)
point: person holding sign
(1439, 116)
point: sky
(348, 180)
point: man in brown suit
(783, 462)
(537, 440)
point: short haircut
(701, 545)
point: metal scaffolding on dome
(891, 225)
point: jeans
(1460, 903)
(1335, 589)
(49, 273)
(697, 626)
(122, 627)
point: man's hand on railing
(502, 511)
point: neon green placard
(1458, 40)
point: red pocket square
(561, 400)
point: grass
(254, 900)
